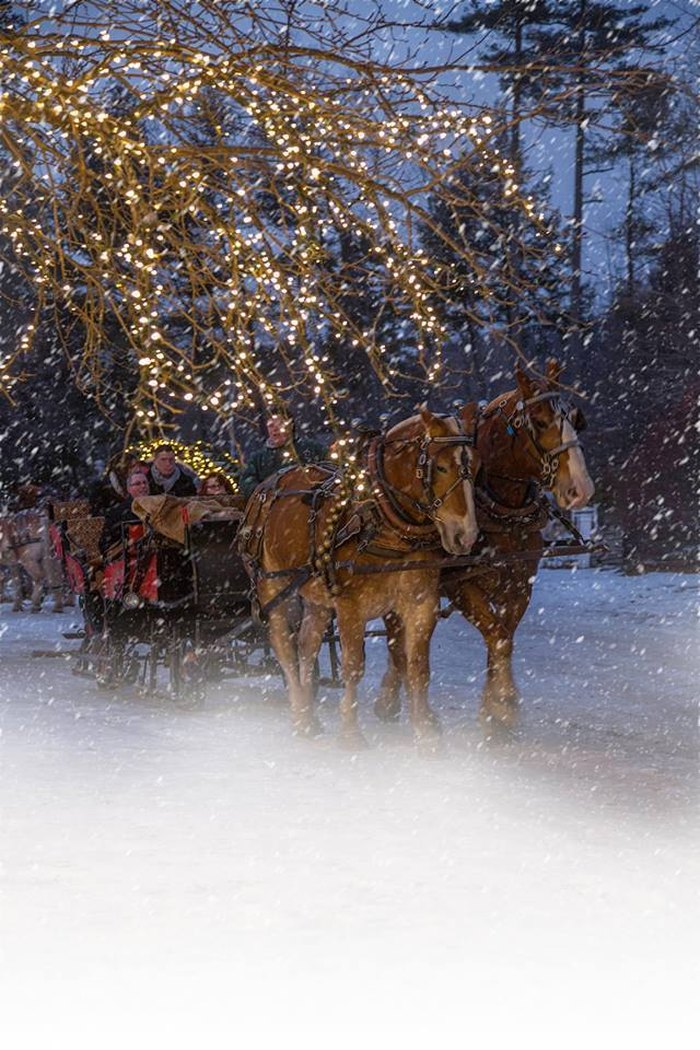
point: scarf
(165, 483)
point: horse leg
(499, 699)
(309, 640)
(419, 623)
(283, 641)
(351, 630)
(387, 706)
(16, 572)
(54, 578)
(37, 586)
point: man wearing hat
(281, 449)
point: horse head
(429, 463)
(532, 432)
(551, 426)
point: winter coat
(184, 485)
(115, 518)
(267, 461)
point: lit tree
(201, 249)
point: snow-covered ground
(177, 877)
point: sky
(549, 152)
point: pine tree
(571, 63)
(480, 300)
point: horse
(526, 439)
(308, 531)
(25, 544)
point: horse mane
(416, 422)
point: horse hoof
(496, 729)
(33, 610)
(309, 729)
(352, 740)
(428, 731)
(430, 745)
(387, 710)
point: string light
(214, 257)
(201, 458)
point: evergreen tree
(573, 62)
(472, 214)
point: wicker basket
(84, 534)
(67, 510)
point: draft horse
(305, 534)
(25, 544)
(527, 441)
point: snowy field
(179, 877)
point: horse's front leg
(283, 641)
(387, 706)
(351, 631)
(313, 627)
(499, 699)
(419, 618)
(37, 591)
(16, 572)
(53, 573)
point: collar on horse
(414, 520)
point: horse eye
(442, 470)
(541, 424)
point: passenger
(110, 490)
(168, 476)
(281, 449)
(122, 514)
(215, 485)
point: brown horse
(300, 534)
(525, 439)
(25, 544)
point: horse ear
(426, 415)
(553, 371)
(525, 384)
(467, 416)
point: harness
(409, 522)
(410, 519)
(519, 418)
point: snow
(176, 877)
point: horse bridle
(520, 418)
(425, 472)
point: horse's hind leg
(351, 630)
(283, 641)
(387, 706)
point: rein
(519, 418)
(407, 523)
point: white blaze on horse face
(573, 487)
(458, 532)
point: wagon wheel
(114, 661)
(85, 658)
(188, 671)
(108, 664)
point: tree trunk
(514, 326)
(629, 232)
(575, 340)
